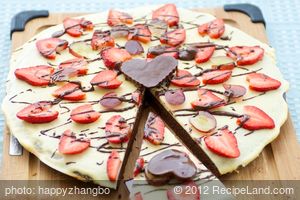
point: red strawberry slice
(113, 57)
(117, 130)
(106, 79)
(185, 194)
(40, 112)
(216, 76)
(184, 78)
(69, 144)
(101, 40)
(226, 66)
(223, 143)
(204, 54)
(73, 67)
(262, 83)
(141, 33)
(48, 47)
(117, 17)
(167, 13)
(255, 119)
(245, 55)
(75, 27)
(84, 114)
(113, 165)
(139, 166)
(69, 91)
(207, 100)
(174, 38)
(154, 130)
(214, 29)
(162, 50)
(36, 76)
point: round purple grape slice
(110, 100)
(175, 97)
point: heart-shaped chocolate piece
(149, 74)
(169, 164)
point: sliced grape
(204, 122)
(175, 97)
(82, 49)
(234, 91)
(134, 47)
(110, 100)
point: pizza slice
(166, 169)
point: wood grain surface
(280, 160)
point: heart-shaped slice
(207, 100)
(255, 119)
(223, 143)
(113, 165)
(173, 38)
(149, 74)
(245, 55)
(204, 54)
(184, 78)
(113, 57)
(75, 27)
(40, 112)
(216, 76)
(262, 83)
(69, 91)
(117, 129)
(167, 13)
(214, 29)
(36, 76)
(69, 144)
(101, 40)
(84, 114)
(70, 68)
(48, 47)
(106, 79)
(141, 33)
(154, 129)
(116, 17)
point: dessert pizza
(75, 90)
(165, 163)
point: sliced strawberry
(73, 67)
(36, 76)
(117, 129)
(255, 119)
(106, 79)
(40, 112)
(113, 57)
(75, 27)
(137, 97)
(184, 78)
(69, 144)
(69, 91)
(186, 193)
(113, 165)
(141, 33)
(139, 166)
(226, 66)
(216, 76)
(167, 13)
(204, 54)
(116, 18)
(162, 50)
(48, 47)
(207, 100)
(262, 83)
(174, 38)
(154, 129)
(84, 114)
(245, 55)
(223, 143)
(101, 40)
(213, 29)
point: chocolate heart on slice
(170, 164)
(149, 74)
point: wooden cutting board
(280, 160)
